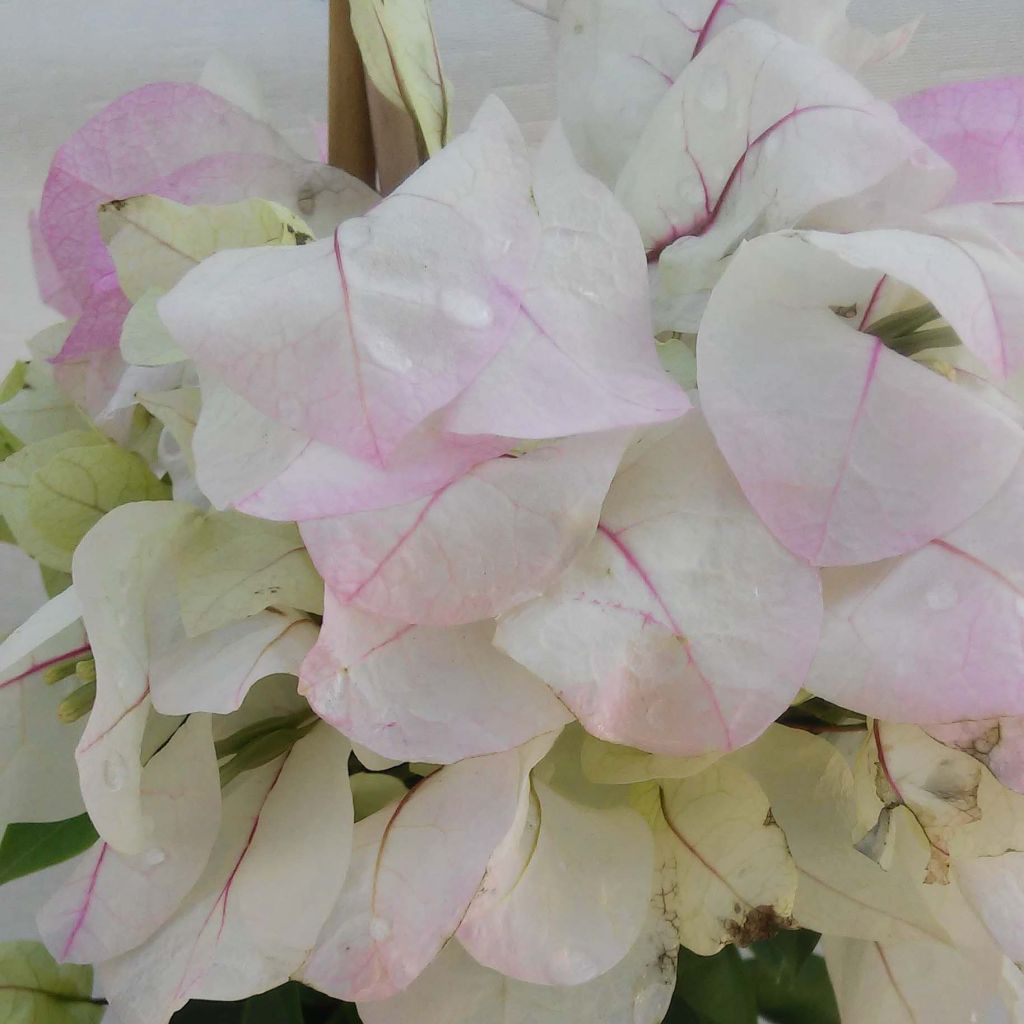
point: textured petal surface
(455, 989)
(420, 693)
(416, 867)
(805, 408)
(734, 878)
(684, 627)
(113, 902)
(978, 127)
(357, 339)
(617, 58)
(950, 613)
(257, 908)
(997, 742)
(214, 672)
(581, 356)
(957, 261)
(727, 151)
(117, 570)
(476, 547)
(840, 891)
(876, 982)
(246, 460)
(182, 142)
(565, 895)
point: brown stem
(349, 131)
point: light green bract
(35, 990)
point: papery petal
(41, 626)
(806, 410)
(998, 743)
(617, 58)
(118, 567)
(215, 671)
(950, 613)
(565, 895)
(330, 338)
(476, 547)
(957, 262)
(246, 460)
(455, 989)
(840, 891)
(727, 151)
(581, 357)
(420, 693)
(264, 895)
(979, 128)
(113, 902)
(416, 866)
(52, 289)
(684, 627)
(877, 982)
(98, 328)
(733, 876)
(994, 887)
(173, 139)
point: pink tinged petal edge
(581, 357)
(978, 127)
(113, 902)
(805, 410)
(262, 899)
(416, 867)
(684, 627)
(951, 613)
(445, 257)
(535, 922)
(419, 693)
(126, 150)
(725, 152)
(997, 742)
(957, 258)
(98, 328)
(52, 288)
(479, 545)
(245, 460)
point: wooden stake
(349, 131)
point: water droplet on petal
(942, 597)
(713, 91)
(380, 930)
(466, 308)
(115, 773)
(154, 856)
(355, 233)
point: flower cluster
(465, 598)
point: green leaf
(234, 566)
(13, 382)
(72, 492)
(28, 847)
(278, 1006)
(6, 537)
(402, 58)
(783, 956)
(373, 790)
(808, 999)
(154, 242)
(145, 341)
(36, 990)
(16, 474)
(714, 988)
(205, 1011)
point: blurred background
(63, 60)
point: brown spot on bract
(761, 923)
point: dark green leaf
(783, 956)
(202, 1011)
(809, 999)
(278, 1006)
(716, 990)
(27, 848)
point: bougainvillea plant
(504, 601)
